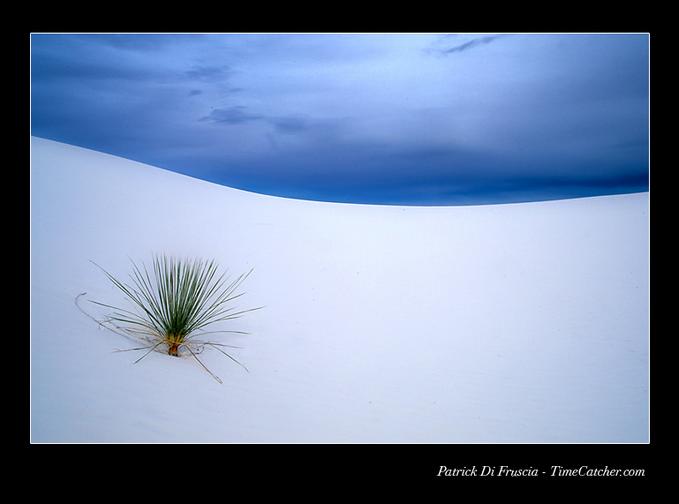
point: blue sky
(369, 118)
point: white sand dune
(500, 323)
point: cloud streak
(471, 44)
(209, 73)
(240, 114)
(231, 115)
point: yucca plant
(173, 304)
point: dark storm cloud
(351, 172)
(358, 118)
